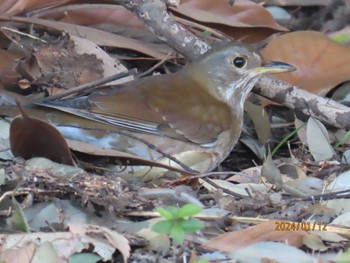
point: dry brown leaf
(86, 62)
(7, 66)
(249, 175)
(103, 241)
(321, 63)
(14, 7)
(19, 254)
(243, 13)
(266, 231)
(292, 171)
(102, 235)
(99, 37)
(244, 20)
(93, 14)
(110, 18)
(31, 137)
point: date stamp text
(302, 226)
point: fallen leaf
(321, 63)
(79, 237)
(260, 119)
(318, 140)
(270, 171)
(30, 137)
(99, 37)
(14, 7)
(244, 20)
(266, 231)
(271, 252)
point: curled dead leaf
(30, 137)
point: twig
(155, 66)
(89, 85)
(227, 191)
(212, 31)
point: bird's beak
(273, 67)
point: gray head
(232, 70)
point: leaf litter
(95, 211)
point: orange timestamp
(302, 226)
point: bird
(192, 117)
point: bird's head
(231, 71)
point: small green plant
(342, 140)
(286, 138)
(341, 38)
(178, 221)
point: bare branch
(154, 15)
(304, 103)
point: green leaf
(163, 227)
(18, 219)
(191, 225)
(174, 211)
(189, 210)
(177, 233)
(166, 213)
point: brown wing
(165, 104)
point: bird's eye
(240, 61)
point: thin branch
(90, 85)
